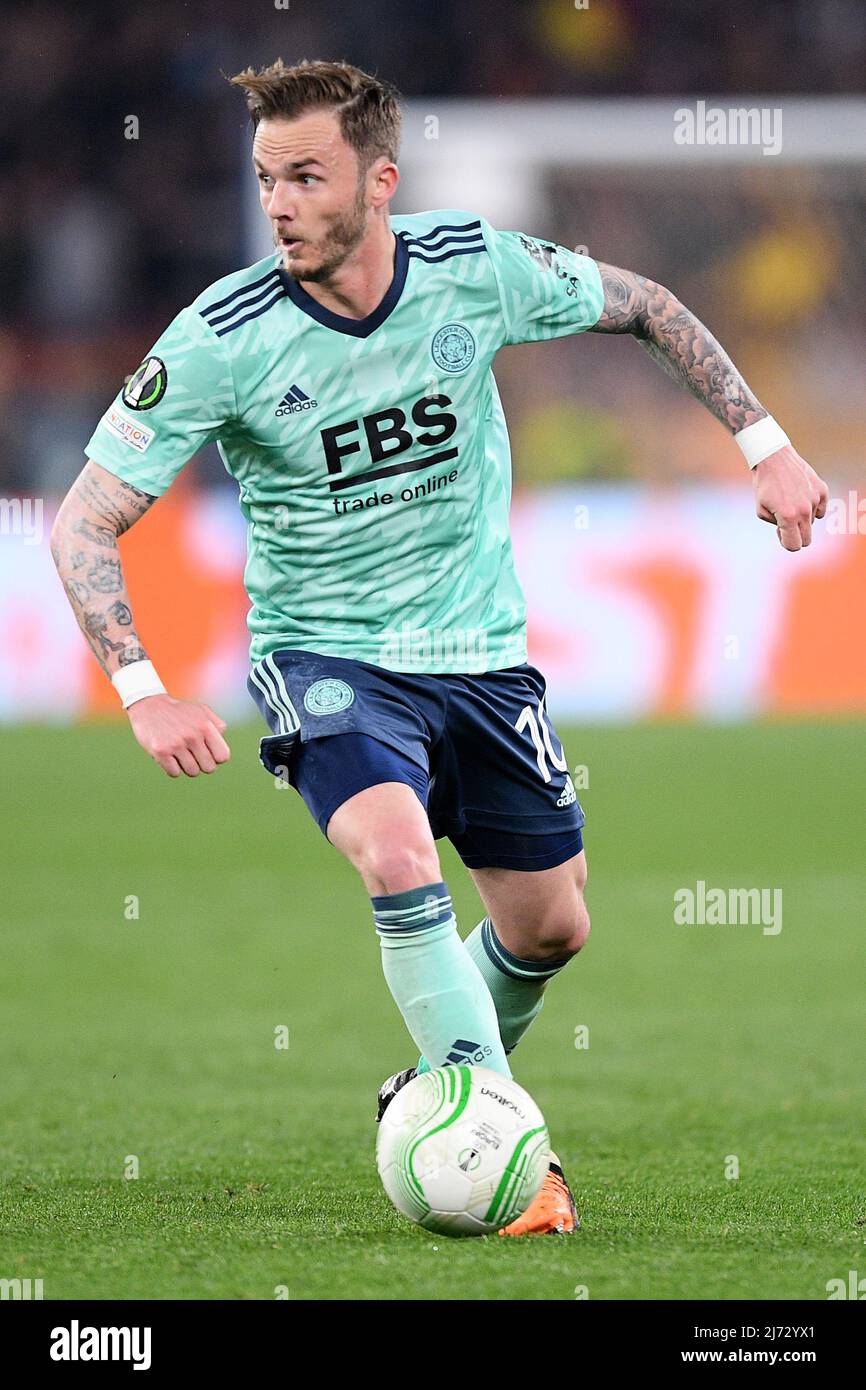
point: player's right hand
(183, 736)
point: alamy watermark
(20, 1289)
(733, 125)
(77, 1343)
(703, 906)
(846, 516)
(417, 647)
(22, 516)
(853, 1287)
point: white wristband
(760, 440)
(136, 682)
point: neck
(362, 281)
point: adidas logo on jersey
(294, 400)
(569, 795)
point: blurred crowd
(104, 237)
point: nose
(281, 202)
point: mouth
(287, 244)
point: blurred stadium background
(652, 590)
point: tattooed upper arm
(677, 340)
(629, 300)
(116, 504)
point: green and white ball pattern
(462, 1150)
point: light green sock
(436, 984)
(516, 986)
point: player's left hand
(790, 495)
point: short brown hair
(368, 109)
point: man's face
(310, 189)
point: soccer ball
(462, 1150)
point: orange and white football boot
(552, 1212)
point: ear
(383, 176)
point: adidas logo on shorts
(569, 795)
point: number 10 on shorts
(539, 732)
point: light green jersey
(371, 455)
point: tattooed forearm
(679, 342)
(98, 509)
(130, 654)
(100, 535)
(75, 589)
(104, 575)
(96, 631)
(100, 603)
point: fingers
(215, 750)
(215, 719)
(789, 537)
(193, 755)
(790, 495)
(185, 739)
(211, 750)
(201, 755)
(216, 746)
(188, 761)
(794, 529)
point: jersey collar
(356, 328)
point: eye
(310, 176)
(263, 178)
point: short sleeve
(545, 290)
(181, 398)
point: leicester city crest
(453, 347)
(328, 696)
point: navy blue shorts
(479, 751)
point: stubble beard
(346, 231)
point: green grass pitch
(153, 1038)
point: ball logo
(503, 1100)
(328, 696)
(453, 347)
(146, 387)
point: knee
(582, 926)
(567, 929)
(395, 868)
(565, 933)
(580, 872)
(580, 923)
